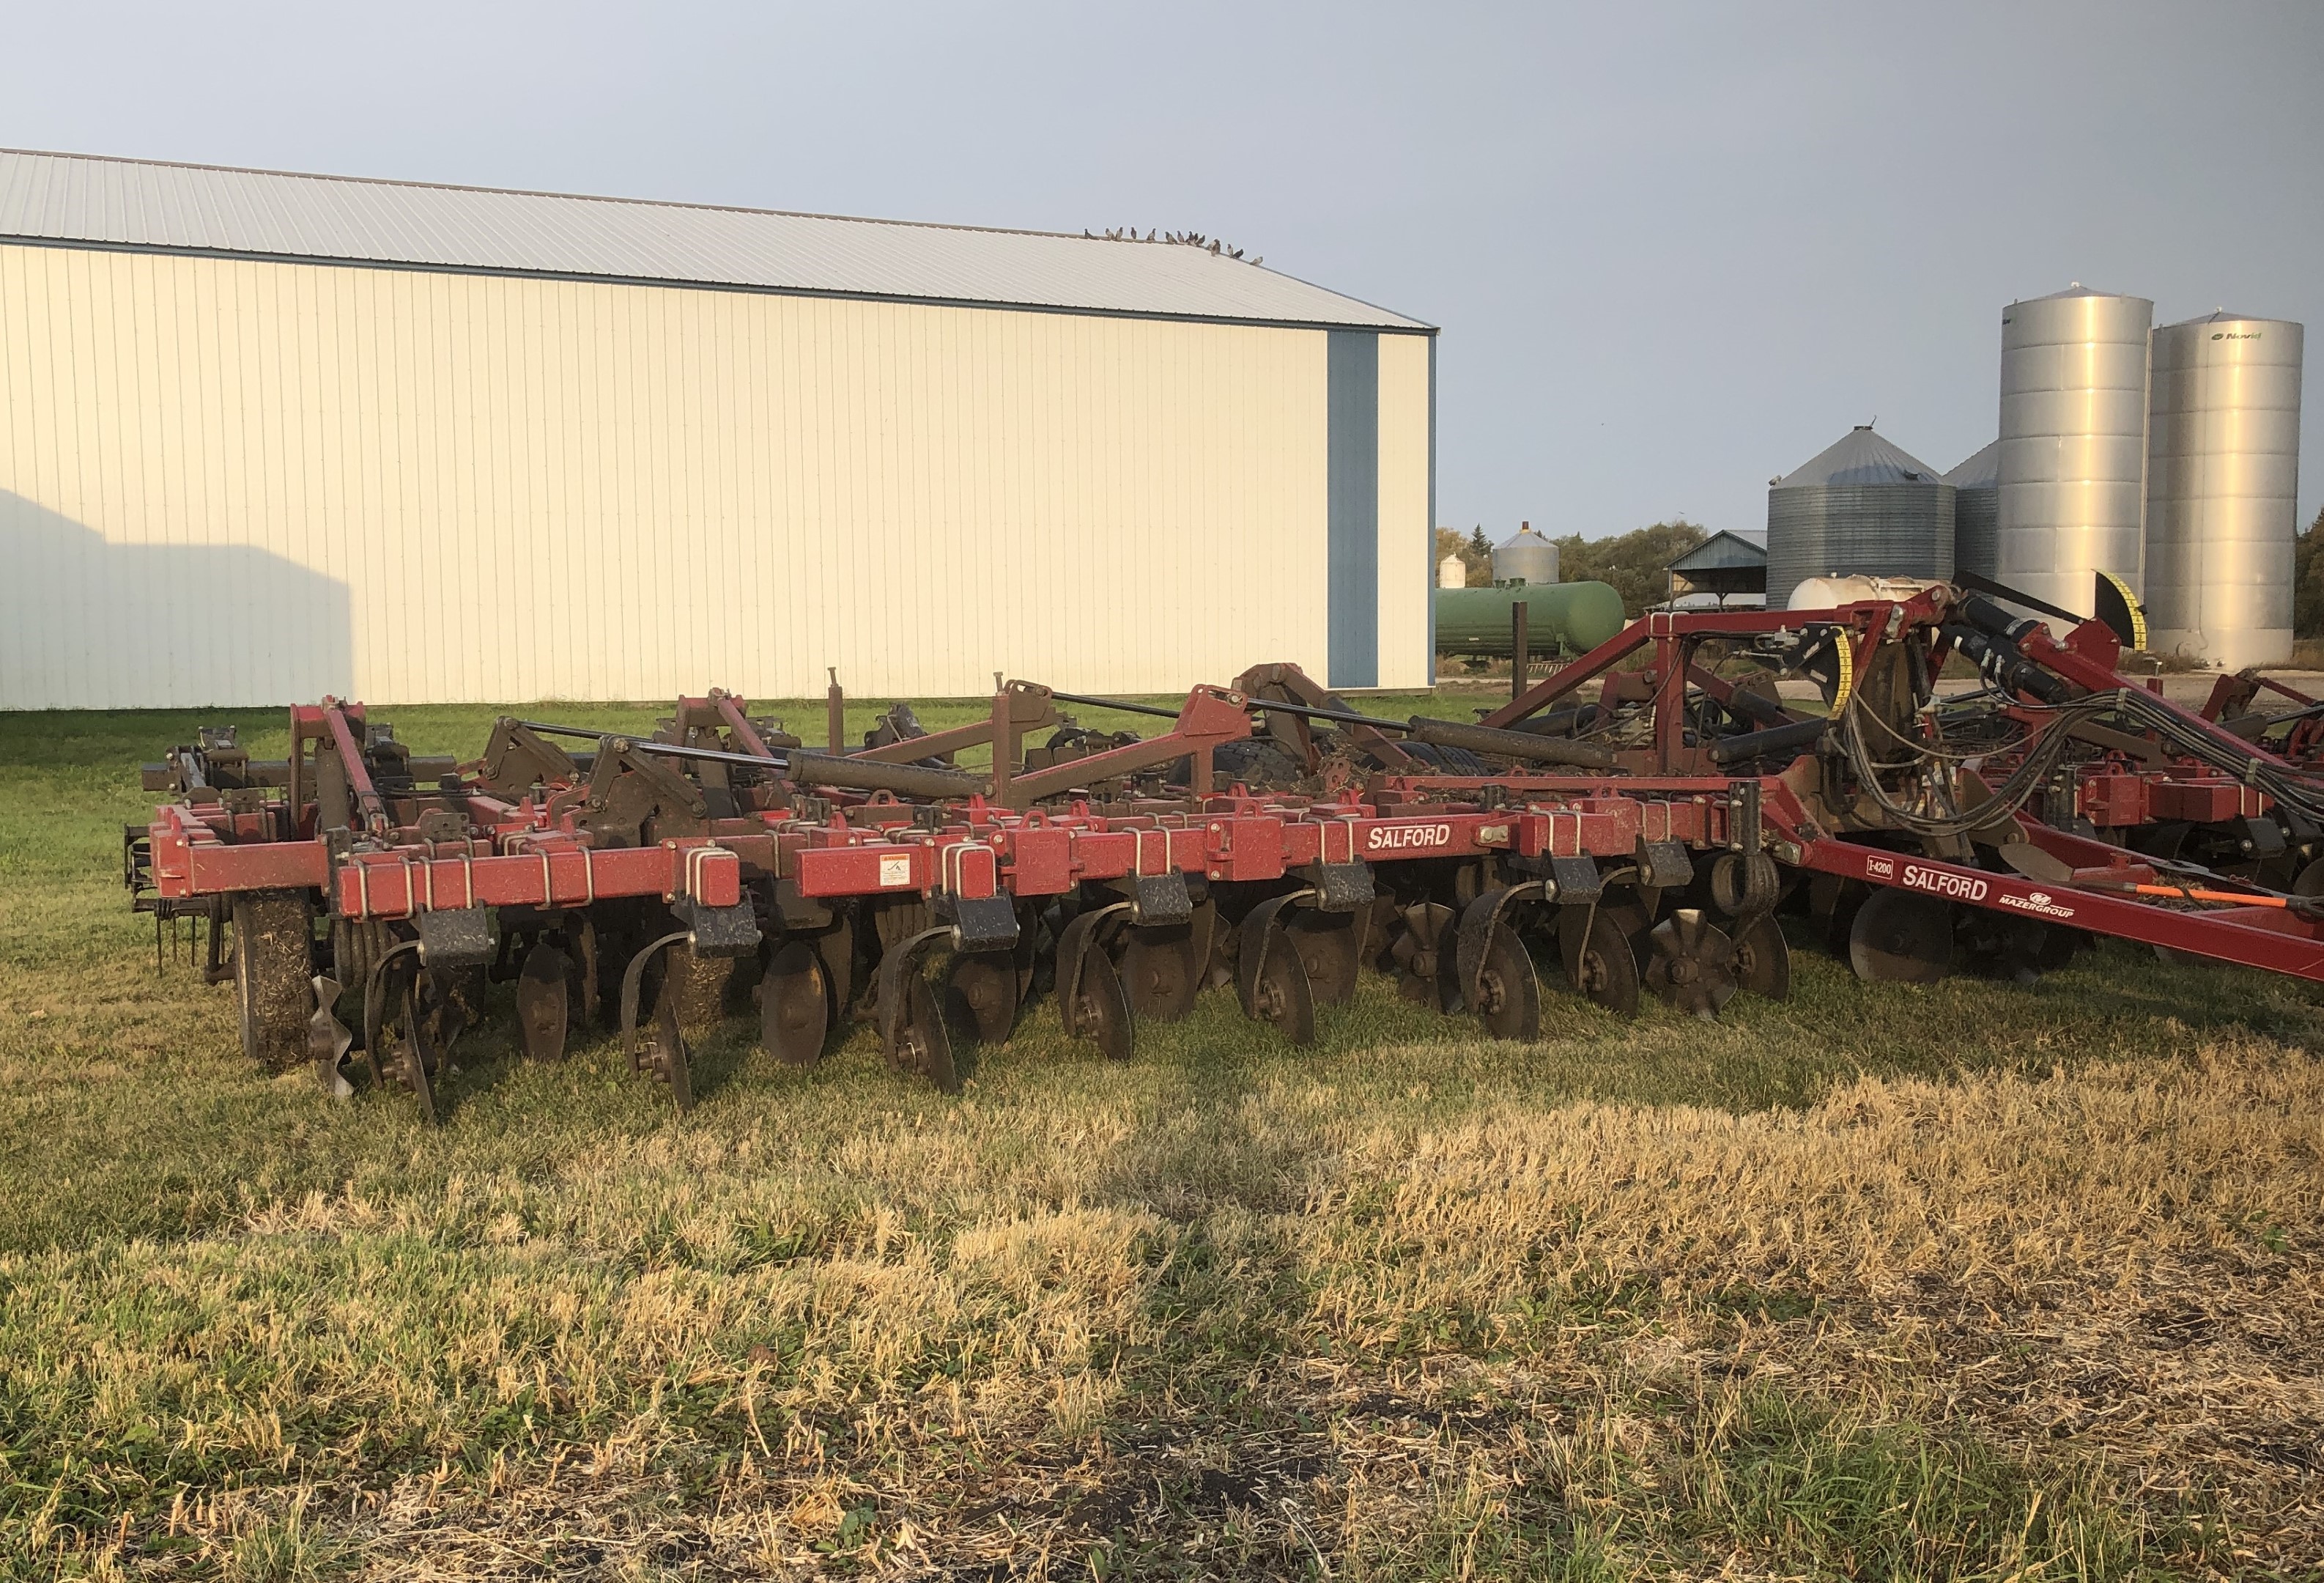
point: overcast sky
(1675, 250)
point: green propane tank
(1574, 616)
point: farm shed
(265, 436)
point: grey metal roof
(1981, 471)
(1725, 548)
(2221, 316)
(149, 205)
(1860, 456)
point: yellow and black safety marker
(2119, 608)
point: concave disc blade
(672, 1061)
(835, 948)
(1509, 990)
(1326, 944)
(794, 1005)
(1282, 996)
(1763, 959)
(413, 1058)
(1604, 969)
(1900, 936)
(1420, 952)
(1103, 1014)
(925, 1042)
(981, 991)
(1159, 972)
(543, 1001)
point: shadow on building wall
(87, 624)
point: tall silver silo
(1526, 555)
(2073, 493)
(1862, 505)
(2222, 488)
(1977, 498)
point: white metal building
(264, 437)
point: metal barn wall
(1408, 543)
(226, 482)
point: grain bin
(1860, 507)
(1976, 496)
(1526, 557)
(2222, 486)
(2071, 498)
(1452, 572)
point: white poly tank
(2222, 489)
(1452, 572)
(1526, 556)
(2072, 500)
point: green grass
(1641, 1299)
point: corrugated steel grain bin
(1861, 506)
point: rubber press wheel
(273, 976)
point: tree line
(2308, 580)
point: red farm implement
(1270, 838)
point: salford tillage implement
(1635, 824)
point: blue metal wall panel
(1353, 497)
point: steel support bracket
(795, 909)
(1665, 864)
(1159, 898)
(718, 932)
(457, 936)
(1339, 887)
(979, 923)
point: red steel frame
(517, 856)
